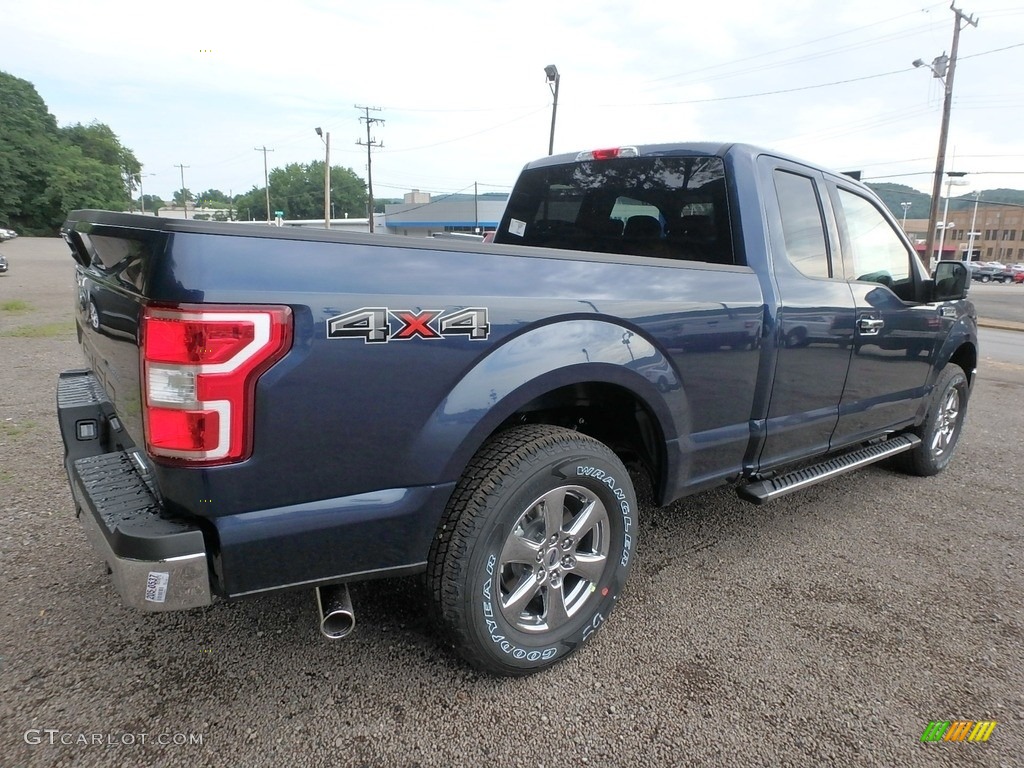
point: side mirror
(951, 281)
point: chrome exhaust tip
(337, 619)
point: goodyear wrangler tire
(533, 550)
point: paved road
(1001, 347)
(999, 303)
(828, 628)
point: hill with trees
(893, 195)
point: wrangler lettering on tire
(533, 550)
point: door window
(875, 252)
(802, 226)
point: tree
(28, 139)
(46, 171)
(152, 203)
(177, 199)
(298, 190)
(78, 181)
(214, 198)
(99, 142)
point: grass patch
(15, 305)
(10, 428)
(40, 331)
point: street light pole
(553, 77)
(142, 194)
(906, 207)
(972, 234)
(327, 177)
(955, 177)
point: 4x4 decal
(373, 324)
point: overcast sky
(462, 90)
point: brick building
(999, 234)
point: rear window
(665, 207)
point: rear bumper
(158, 562)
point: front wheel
(94, 315)
(940, 432)
(533, 550)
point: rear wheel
(534, 549)
(940, 432)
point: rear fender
(542, 360)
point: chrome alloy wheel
(948, 423)
(553, 558)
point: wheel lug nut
(567, 543)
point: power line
(793, 47)
(477, 133)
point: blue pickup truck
(269, 408)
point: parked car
(985, 273)
(1007, 274)
(7, 234)
(1018, 277)
(3, 265)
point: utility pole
(184, 198)
(476, 209)
(327, 175)
(266, 177)
(370, 143)
(947, 103)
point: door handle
(870, 326)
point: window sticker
(517, 227)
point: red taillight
(199, 370)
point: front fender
(541, 360)
(964, 331)
(962, 337)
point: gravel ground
(827, 628)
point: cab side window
(802, 226)
(873, 252)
